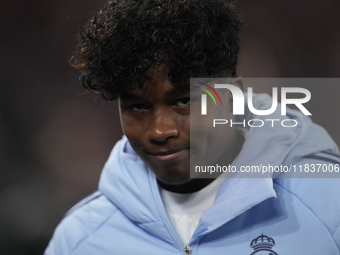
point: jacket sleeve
(320, 193)
(336, 236)
(79, 223)
(67, 236)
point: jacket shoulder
(319, 195)
(79, 223)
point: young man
(144, 53)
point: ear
(237, 81)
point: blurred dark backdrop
(54, 138)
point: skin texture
(156, 121)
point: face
(156, 121)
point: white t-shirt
(185, 210)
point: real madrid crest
(262, 245)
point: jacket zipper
(162, 211)
(187, 250)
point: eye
(137, 107)
(183, 102)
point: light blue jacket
(249, 216)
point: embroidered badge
(262, 245)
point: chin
(173, 177)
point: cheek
(205, 139)
(183, 122)
(131, 128)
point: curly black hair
(193, 38)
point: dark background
(54, 138)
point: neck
(191, 186)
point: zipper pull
(187, 250)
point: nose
(162, 127)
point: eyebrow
(178, 91)
(170, 93)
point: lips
(168, 156)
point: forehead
(156, 84)
(154, 91)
